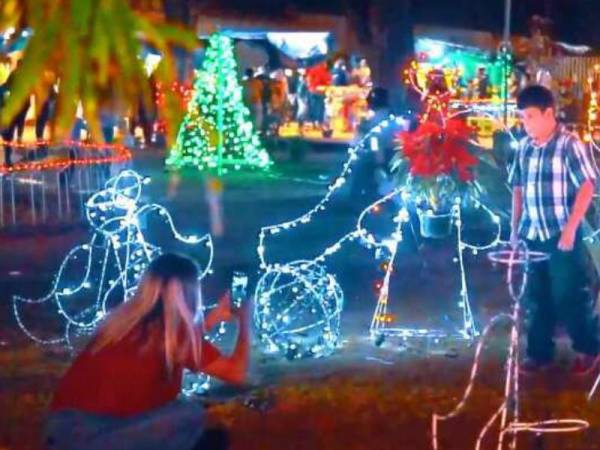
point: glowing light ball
(297, 310)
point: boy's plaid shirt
(550, 177)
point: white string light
(299, 303)
(381, 322)
(508, 412)
(297, 310)
(113, 260)
(335, 186)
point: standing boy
(553, 178)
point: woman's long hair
(169, 292)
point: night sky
(576, 21)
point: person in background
(339, 73)
(553, 178)
(293, 81)
(372, 173)
(436, 84)
(46, 111)
(108, 121)
(4, 132)
(279, 97)
(253, 88)
(481, 84)
(567, 104)
(318, 79)
(302, 111)
(18, 123)
(121, 390)
(47, 107)
(361, 75)
(146, 114)
(266, 90)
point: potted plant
(435, 164)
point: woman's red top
(125, 378)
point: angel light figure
(99, 274)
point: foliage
(93, 48)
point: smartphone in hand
(239, 285)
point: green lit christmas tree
(217, 133)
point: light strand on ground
(113, 260)
(508, 412)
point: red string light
(119, 154)
(184, 92)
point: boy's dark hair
(535, 96)
(249, 73)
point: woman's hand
(223, 309)
(221, 313)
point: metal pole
(88, 182)
(507, 17)
(44, 215)
(32, 198)
(12, 198)
(59, 195)
(67, 191)
(80, 189)
(97, 177)
(2, 200)
(505, 52)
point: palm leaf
(93, 47)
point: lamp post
(505, 48)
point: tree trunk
(386, 38)
(180, 12)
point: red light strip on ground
(119, 154)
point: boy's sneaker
(533, 367)
(585, 365)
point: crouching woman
(120, 392)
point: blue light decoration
(298, 304)
(297, 311)
(98, 275)
(272, 300)
(385, 325)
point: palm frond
(93, 47)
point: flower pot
(435, 225)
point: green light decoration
(216, 133)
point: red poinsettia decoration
(434, 149)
